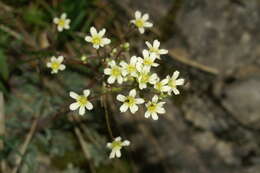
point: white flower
(116, 147)
(129, 101)
(148, 60)
(162, 86)
(82, 102)
(62, 22)
(115, 72)
(154, 48)
(56, 64)
(96, 38)
(153, 108)
(145, 77)
(130, 69)
(141, 21)
(174, 82)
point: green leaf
(4, 72)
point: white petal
(62, 67)
(121, 98)
(107, 71)
(148, 24)
(112, 154)
(132, 93)
(145, 17)
(120, 79)
(118, 153)
(106, 41)
(154, 116)
(156, 44)
(133, 109)
(86, 92)
(142, 85)
(60, 28)
(133, 60)
(175, 75)
(180, 82)
(126, 143)
(102, 32)
(118, 139)
(165, 81)
(63, 16)
(111, 79)
(123, 64)
(89, 106)
(93, 31)
(148, 44)
(153, 79)
(53, 58)
(109, 145)
(82, 110)
(161, 110)
(74, 106)
(147, 114)
(56, 20)
(96, 46)
(54, 71)
(163, 51)
(141, 30)
(139, 101)
(145, 53)
(155, 98)
(74, 95)
(138, 14)
(176, 91)
(48, 64)
(88, 38)
(60, 59)
(112, 63)
(124, 107)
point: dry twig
(18, 159)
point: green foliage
(4, 71)
(34, 15)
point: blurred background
(212, 127)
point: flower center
(82, 100)
(61, 22)
(55, 65)
(154, 50)
(131, 68)
(139, 23)
(116, 71)
(130, 100)
(144, 78)
(116, 144)
(172, 83)
(148, 61)
(152, 108)
(158, 86)
(96, 40)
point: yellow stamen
(152, 108)
(55, 65)
(61, 22)
(96, 40)
(130, 100)
(116, 71)
(82, 100)
(139, 23)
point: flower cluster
(147, 88)
(139, 70)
